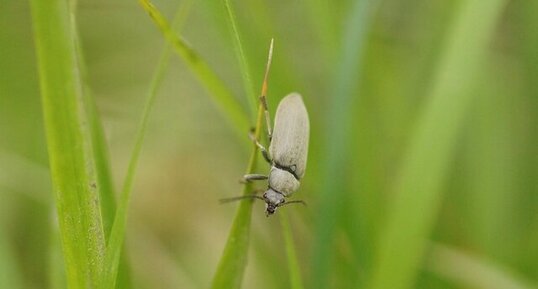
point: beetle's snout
(270, 209)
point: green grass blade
(415, 204)
(233, 261)
(104, 184)
(333, 190)
(470, 271)
(241, 56)
(70, 154)
(217, 89)
(117, 236)
(296, 281)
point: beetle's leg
(263, 100)
(253, 177)
(261, 147)
(253, 195)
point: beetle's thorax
(283, 181)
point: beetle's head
(273, 200)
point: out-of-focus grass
(117, 235)
(472, 271)
(487, 213)
(242, 57)
(339, 128)
(418, 193)
(218, 90)
(296, 281)
(10, 276)
(70, 152)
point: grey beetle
(287, 154)
(287, 151)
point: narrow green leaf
(296, 281)
(339, 131)
(70, 155)
(117, 236)
(104, 184)
(233, 261)
(217, 89)
(241, 56)
(416, 201)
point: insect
(287, 153)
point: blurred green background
(369, 73)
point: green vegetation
(422, 164)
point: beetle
(287, 153)
(288, 149)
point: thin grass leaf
(117, 236)
(220, 94)
(233, 261)
(414, 208)
(241, 56)
(104, 184)
(296, 281)
(470, 271)
(339, 131)
(70, 155)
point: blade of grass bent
(241, 57)
(117, 236)
(70, 154)
(339, 130)
(233, 261)
(415, 204)
(217, 89)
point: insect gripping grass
(287, 153)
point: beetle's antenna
(264, 90)
(293, 202)
(227, 200)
